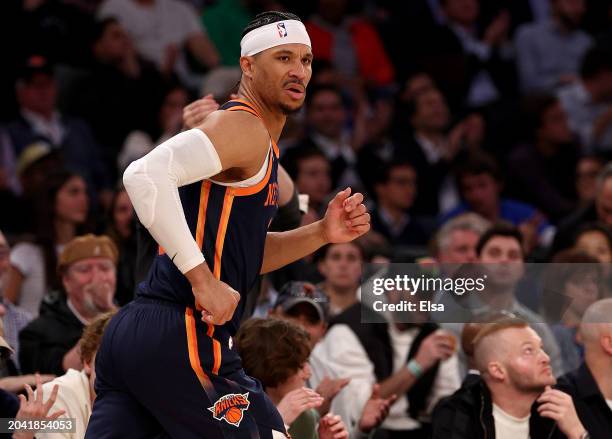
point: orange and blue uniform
(161, 371)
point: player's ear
(246, 65)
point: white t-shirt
(509, 427)
(29, 260)
(154, 27)
(609, 402)
(73, 397)
(341, 355)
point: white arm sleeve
(152, 183)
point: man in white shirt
(76, 388)
(400, 358)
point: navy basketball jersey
(229, 224)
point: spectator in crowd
(501, 257)
(514, 397)
(305, 305)
(596, 241)
(538, 172)
(587, 170)
(9, 403)
(164, 32)
(416, 362)
(468, 334)
(340, 265)
(35, 164)
(588, 102)
(480, 185)
(455, 242)
(572, 283)
(350, 43)
(474, 66)
(39, 119)
(378, 145)
(326, 119)
(600, 210)
(395, 187)
(14, 319)
(61, 210)
(310, 169)
(35, 407)
(432, 149)
(549, 53)
(590, 385)
(169, 122)
(276, 353)
(10, 381)
(49, 344)
(76, 392)
(125, 88)
(121, 229)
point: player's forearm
(283, 248)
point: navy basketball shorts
(160, 373)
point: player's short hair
(268, 17)
(92, 336)
(272, 350)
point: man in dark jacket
(49, 344)
(514, 397)
(591, 384)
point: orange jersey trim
(204, 193)
(228, 200)
(251, 190)
(192, 346)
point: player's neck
(272, 118)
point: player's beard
(287, 110)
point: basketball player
(167, 366)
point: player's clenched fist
(217, 299)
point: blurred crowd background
(449, 115)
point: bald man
(591, 384)
(513, 400)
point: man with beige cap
(49, 344)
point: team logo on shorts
(282, 30)
(230, 408)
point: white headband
(272, 35)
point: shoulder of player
(236, 129)
(234, 122)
